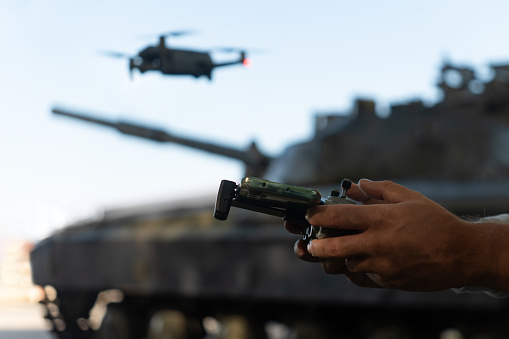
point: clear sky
(312, 56)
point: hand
(406, 241)
(329, 265)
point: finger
(366, 266)
(353, 264)
(300, 250)
(338, 247)
(355, 193)
(338, 266)
(352, 217)
(293, 227)
(363, 279)
(334, 266)
(359, 195)
(387, 191)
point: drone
(172, 61)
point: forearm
(488, 248)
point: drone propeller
(237, 50)
(118, 55)
(176, 33)
(167, 34)
(227, 49)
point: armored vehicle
(172, 271)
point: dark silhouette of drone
(172, 61)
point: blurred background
(306, 57)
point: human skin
(407, 242)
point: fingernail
(308, 213)
(309, 247)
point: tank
(173, 271)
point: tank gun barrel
(256, 163)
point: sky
(308, 57)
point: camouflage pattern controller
(281, 200)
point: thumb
(387, 191)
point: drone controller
(281, 200)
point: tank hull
(246, 265)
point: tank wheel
(173, 324)
(118, 323)
(241, 327)
(63, 313)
